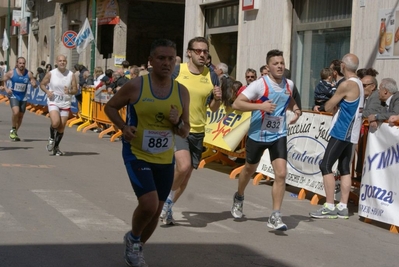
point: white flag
(6, 43)
(84, 37)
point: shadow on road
(72, 153)
(159, 255)
(14, 148)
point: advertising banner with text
(380, 184)
(306, 142)
(226, 129)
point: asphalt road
(74, 210)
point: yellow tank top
(155, 139)
(200, 87)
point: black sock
(238, 197)
(52, 132)
(13, 128)
(58, 138)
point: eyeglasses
(199, 51)
(253, 77)
(366, 84)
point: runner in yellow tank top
(158, 108)
(203, 86)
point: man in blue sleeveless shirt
(344, 134)
(16, 84)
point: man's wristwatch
(376, 117)
(180, 124)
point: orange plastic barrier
(217, 154)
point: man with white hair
(221, 70)
(388, 93)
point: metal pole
(8, 34)
(93, 44)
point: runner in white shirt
(59, 85)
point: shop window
(221, 32)
(321, 33)
(222, 16)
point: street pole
(8, 34)
(93, 44)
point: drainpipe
(20, 39)
(8, 33)
(93, 44)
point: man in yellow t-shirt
(203, 86)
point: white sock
(341, 206)
(330, 206)
(172, 195)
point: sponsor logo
(146, 99)
(159, 117)
(372, 191)
(305, 154)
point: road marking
(229, 202)
(80, 211)
(27, 166)
(307, 227)
(8, 223)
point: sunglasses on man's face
(200, 51)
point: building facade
(124, 30)
(311, 33)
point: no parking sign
(68, 39)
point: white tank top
(59, 80)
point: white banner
(84, 37)
(6, 43)
(306, 143)
(380, 184)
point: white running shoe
(275, 222)
(168, 219)
(237, 208)
(134, 255)
(50, 145)
(57, 152)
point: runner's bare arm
(45, 82)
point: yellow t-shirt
(200, 87)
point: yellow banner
(226, 129)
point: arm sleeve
(255, 90)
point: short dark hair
(262, 68)
(109, 72)
(198, 39)
(337, 66)
(163, 43)
(43, 63)
(363, 72)
(273, 53)
(125, 64)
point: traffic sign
(68, 39)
